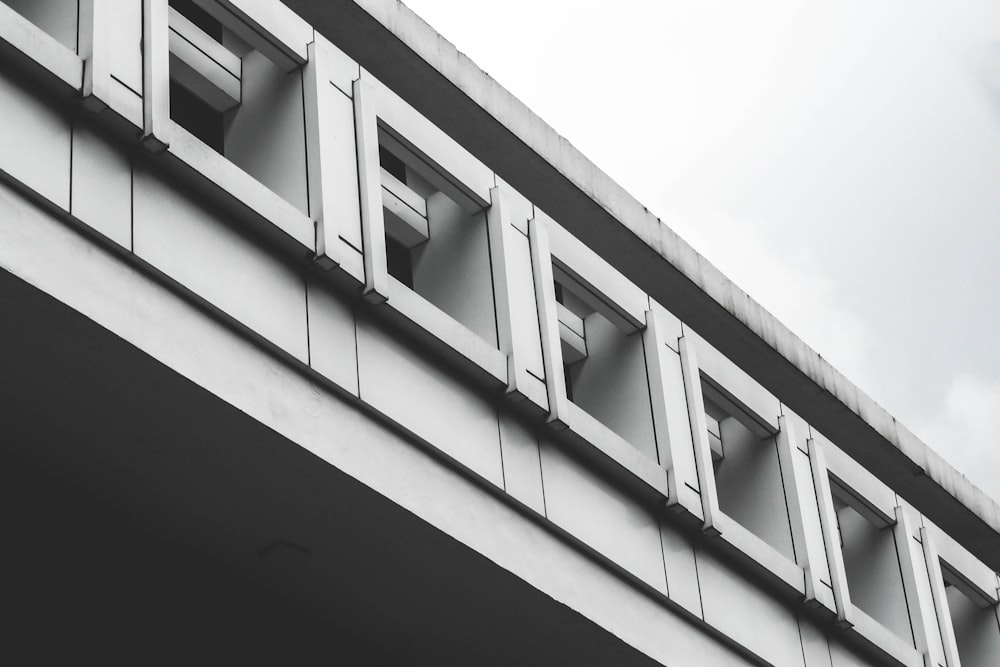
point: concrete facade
(322, 347)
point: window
(237, 88)
(603, 362)
(747, 468)
(974, 621)
(871, 562)
(433, 234)
(754, 492)
(880, 581)
(436, 237)
(594, 321)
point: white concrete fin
(156, 123)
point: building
(322, 348)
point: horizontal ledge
(274, 30)
(40, 48)
(204, 66)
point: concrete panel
(218, 263)
(125, 102)
(125, 43)
(548, 317)
(415, 392)
(342, 70)
(266, 134)
(34, 142)
(681, 567)
(799, 427)
(334, 192)
(352, 263)
(811, 526)
(708, 493)
(101, 185)
(815, 647)
(520, 209)
(671, 327)
(522, 464)
(767, 628)
(611, 384)
(452, 270)
(524, 312)
(678, 425)
(332, 336)
(920, 598)
(157, 128)
(56, 17)
(602, 516)
(343, 160)
(842, 656)
(370, 190)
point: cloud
(965, 431)
(789, 283)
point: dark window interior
(392, 164)
(567, 369)
(201, 120)
(400, 261)
(199, 17)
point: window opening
(198, 118)
(58, 18)
(198, 16)
(436, 238)
(603, 362)
(235, 99)
(871, 562)
(747, 469)
(974, 620)
(392, 164)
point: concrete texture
(184, 362)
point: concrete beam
(184, 469)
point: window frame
(380, 112)
(283, 37)
(801, 575)
(880, 503)
(978, 582)
(550, 244)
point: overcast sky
(840, 161)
